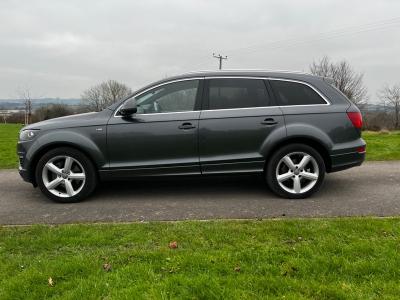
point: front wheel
(295, 171)
(66, 175)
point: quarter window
(173, 97)
(237, 93)
(293, 93)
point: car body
(202, 123)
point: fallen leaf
(50, 281)
(173, 245)
(107, 267)
(237, 269)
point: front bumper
(23, 167)
(24, 174)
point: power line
(220, 58)
(279, 44)
(296, 41)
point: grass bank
(381, 146)
(352, 258)
(8, 142)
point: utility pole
(220, 58)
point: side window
(237, 93)
(293, 93)
(173, 97)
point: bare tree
(25, 95)
(51, 111)
(104, 94)
(4, 115)
(345, 78)
(390, 96)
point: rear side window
(237, 93)
(293, 93)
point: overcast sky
(60, 48)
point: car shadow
(193, 186)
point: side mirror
(128, 108)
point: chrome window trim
(304, 83)
(156, 86)
(224, 109)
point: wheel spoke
(53, 168)
(310, 176)
(285, 176)
(289, 163)
(68, 164)
(77, 176)
(304, 161)
(69, 188)
(54, 183)
(296, 184)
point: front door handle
(186, 126)
(269, 121)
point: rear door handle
(269, 121)
(186, 126)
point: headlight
(28, 134)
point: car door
(162, 137)
(238, 116)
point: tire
(66, 175)
(298, 178)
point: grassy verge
(8, 142)
(381, 146)
(296, 259)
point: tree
(345, 78)
(51, 111)
(25, 95)
(104, 94)
(390, 96)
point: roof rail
(248, 70)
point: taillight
(356, 119)
(361, 149)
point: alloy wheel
(63, 176)
(297, 172)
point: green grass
(351, 258)
(380, 146)
(8, 143)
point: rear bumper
(345, 161)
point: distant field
(380, 145)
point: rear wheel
(295, 171)
(66, 175)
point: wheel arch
(40, 152)
(306, 140)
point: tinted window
(237, 93)
(293, 93)
(172, 97)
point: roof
(294, 75)
(291, 75)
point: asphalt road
(372, 189)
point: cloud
(62, 47)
